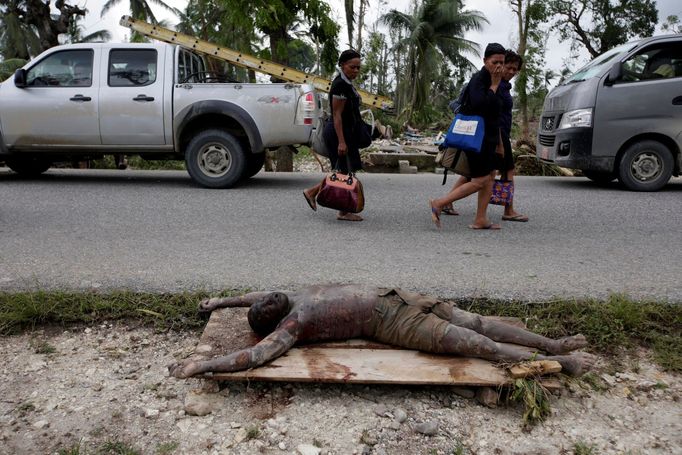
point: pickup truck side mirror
(20, 78)
(615, 74)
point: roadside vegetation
(613, 327)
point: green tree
(141, 10)
(530, 14)
(672, 24)
(434, 33)
(75, 33)
(600, 25)
(30, 27)
(8, 67)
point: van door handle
(80, 98)
(143, 98)
(677, 101)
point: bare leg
(481, 221)
(310, 194)
(509, 211)
(449, 209)
(506, 333)
(463, 341)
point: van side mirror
(615, 74)
(20, 78)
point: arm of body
(246, 300)
(269, 348)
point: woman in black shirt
(339, 134)
(480, 99)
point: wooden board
(352, 361)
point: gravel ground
(108, 383)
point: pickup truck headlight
(576, 119)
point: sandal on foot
(521, 218)
(349, 217)
(492, 226)
(435, 214)
(311, 201)
(449, 210)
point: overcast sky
(501, 28)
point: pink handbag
(342, 192)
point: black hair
(512, 57)
(348, 54)
(266, 314)
(494, 48)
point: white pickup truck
(156, 100)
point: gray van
(620, 116)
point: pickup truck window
(132, 67)
(63, 69)
(190, 67)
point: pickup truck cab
(156, 100)
(620, 116)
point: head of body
(266, 314)
(512, 65)
(349, 63)
(493, 58)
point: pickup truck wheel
(28, 167)
(600, 177)
(254, 164)
(215, 159)
(645, 166)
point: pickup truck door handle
(143, 98)
(80, 98)
(677, 101)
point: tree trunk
(522, 10)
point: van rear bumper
(572, 148)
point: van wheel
(215, 159)
(28, 166)
(600, 177)
(254, 164)
(645, 166)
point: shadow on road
(581, 184)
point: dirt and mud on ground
(105, 389)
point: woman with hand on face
(339, 134)
(481, 99)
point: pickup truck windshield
(595, 67)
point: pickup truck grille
(547, 123)
(547, 140)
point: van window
(63, 69)
(132, 67)
(660, 61)
(595, 67)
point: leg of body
(506, 333)
(449, 209)
(509, 213)
(466, 342)
(246, 300)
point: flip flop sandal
(449, 211)
(491, 226)
(435, 214)
(520, 218)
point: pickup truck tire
(253, 165)
(28, 166)
(215, 159)
(645, 166)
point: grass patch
(610, 326)
(42, 346)
(534, 397)
(582, 448)
(28, 310)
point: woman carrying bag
(341, 134)
(480, 99)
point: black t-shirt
(342, 89)
(486, 103)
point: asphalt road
(157, 231)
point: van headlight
(576, 119)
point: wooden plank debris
(534, 368)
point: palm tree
(75, 34)
(140, 9)
(434, 32)
(17, 38)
